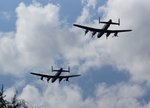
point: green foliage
(14, 103)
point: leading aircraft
(56, 76)
(103, 30)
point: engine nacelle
(67, 79)
(48, 79)
(99, 35)
(93, 33)
(41, 78)
(107, 34)
(60, 80)
(86, 31)
(116, 34)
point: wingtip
(31, 72)
(74, 24)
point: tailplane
(110, 22)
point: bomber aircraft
(56, 76)
(103, 30)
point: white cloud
(131, 50)
(9, 93)
(31, 94)
(37, 33)
(120, 95)
(40, 39)
(8, 52)
(89, 3)
(52, 96)
(84, 16)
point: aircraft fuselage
(106, 26)
(56, 76)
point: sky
(38, 34)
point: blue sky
(112, 70)
(7, 7)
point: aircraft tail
(53, 69)
(67, 70)
(61, 69)
(118, 23)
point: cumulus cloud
(34, 37)
(8, 52)
(41, 39)
(89, 3)
(120, 95)
(131, 50)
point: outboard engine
(93, 33)
(107, 34)
(116, 34)
(99, 35)
(42, 78)
(86, 31)
(60, 80)
(48, 79)
(67, 79)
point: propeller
(48, 79)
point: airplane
(56, 76)
(103, 30)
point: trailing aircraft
(56, 76)
(103, 30)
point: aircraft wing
(68, 76)
(114, 31)
(50, 76)
(42, 75)
(87, 28)
(100, 30)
